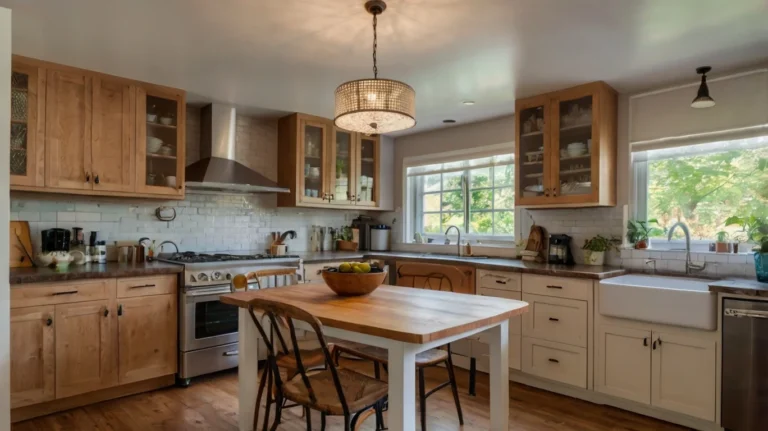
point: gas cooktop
(192, 257)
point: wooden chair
(429, 358)
(332, 391)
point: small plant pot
(594, 257)
(642, 244)
(721, 247)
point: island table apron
(403, 320)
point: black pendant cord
(375, 46)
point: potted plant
(640, 231)
(754, 228)
(761, 260)
(721, 244)
(595, 248)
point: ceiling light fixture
(702, 99)
(375, 106)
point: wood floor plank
(210, 403)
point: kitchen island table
(403, 320)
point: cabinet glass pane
(343, 165)
(365, 185)
(532, 151)
(19, 87)
(161, 142)
(313, 161)
(575, 151)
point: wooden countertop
(398, 313)
(20, 276)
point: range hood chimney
(217, 168)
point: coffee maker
(364, 224)
(560, 249)
(55, 240)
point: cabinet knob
(49, 322)
(106, 312)
(87, 177)
(554, 192)
(96, 179)
(645, 342)
(120, 310)
(546, 192)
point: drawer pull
(143, 285)
(554, 319)
(501, 282)
(554, 287)
(554, 361)
(68, 292)
(231, 353)
(645, 342)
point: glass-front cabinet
(343, 160)
(27, 127)
(566, 148)
(314, 185)
(160, 141)
(367, 174)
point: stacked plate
(576, 149)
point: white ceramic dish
(166, 121)
(154, 144)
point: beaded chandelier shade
(375, 106)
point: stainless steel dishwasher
(745, 365)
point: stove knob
(202, 276)
(192, 278)
(229, 276)
(216, 275)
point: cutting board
(20, 240)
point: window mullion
(466, 201)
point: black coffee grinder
(560, 249)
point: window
(475, 195)
(702, 185)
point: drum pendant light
(375, 106)
(702, 99)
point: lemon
(365, 267)
(357, 269)
(345, 267)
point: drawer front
(562, 287)
(499, 280)
(515, 323)
(146, 286)
(62, 293)
(556, 319)
(555, 361)
(482, 352)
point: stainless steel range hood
(217, 168)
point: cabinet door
(533, 152)
(342, 168)
(68, 130)
(367, 172)
(624, 363)
(27, 124)
(575, 146)
(684, 375)
(32, 355)
(85, 348)
(160, 145)
(146, 337)
(113, 156)
(313, 175)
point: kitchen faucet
(448, 241)
(690, 267)
(169, 242)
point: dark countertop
(502, 264)
(90, 271)
(740, 286)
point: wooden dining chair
(333, 391)
(429, 358)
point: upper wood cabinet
(326, 167)
(566, 148)
(82, 132)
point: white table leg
(248, 369)
(402, 393)
(499, 376)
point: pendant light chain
(375, 45)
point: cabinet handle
(87, 177)
(554, 287)
(106, 312)
(553, 319)
(645, 342)
(555, 361)
(231, 353)
(331, 198)
(68, 292)
(659, 340)
(96, 180)
(143, 285)
(654, 345)
(120, 310)
(501, 282)
(48, 322)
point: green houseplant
(721, 245)
(640, 231)
(595, 248)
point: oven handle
(212, 293)
(231, 353)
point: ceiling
(273, 56)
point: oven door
(206, 321)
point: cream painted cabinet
(146, 337)
(480, 347)
(624, 363)
(683, 375)
(32, 359)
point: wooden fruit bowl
(353, 284)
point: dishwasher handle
(754, 314)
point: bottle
(101, 248)
(151, 252)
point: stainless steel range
(208, 328)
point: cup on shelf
(314, 172)
(151, 179)
(170, 181)
(165, 150)
(314, 193)
(167, 121)
(152, 118)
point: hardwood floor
(210, 403)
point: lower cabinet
(146, 337)
(33, 376)
(671, 371)
(555, 361)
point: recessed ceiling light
(468, 102)
(449, 121)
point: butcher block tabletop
(398, 313)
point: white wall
(5, 148)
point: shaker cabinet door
(147, 337)
(32, 355)
(623, 367)
(113, 134)
(27, 156)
